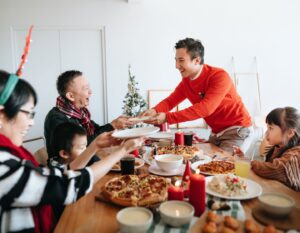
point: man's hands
(156, 118)
(150, 112)
(121, 122)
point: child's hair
(286, 118)
(63, 136)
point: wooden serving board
(284, 223)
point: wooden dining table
(89, 215)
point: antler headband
(14, 78)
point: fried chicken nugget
(251, 226)
(212, 217)
(270, 229)
(231, 222)
(226, 230)
(209, 227)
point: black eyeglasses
(30, 114)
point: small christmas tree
(134, 102)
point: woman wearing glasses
(27, 191)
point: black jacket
(56, 117)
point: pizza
(134, 190)
(188, 152)
(217, 167)
(117, 166)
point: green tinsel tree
(134, 102)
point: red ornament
(186, 179)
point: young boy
(69, 146)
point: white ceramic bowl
(168, 162)
(276, 203)
(134, 219)
(176, 213)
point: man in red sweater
(213, 95)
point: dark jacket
(56, 117)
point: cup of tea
(127, 165)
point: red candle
(175, 192)
(179, 138)
(163, 127)
(197, 193)
(135, 152)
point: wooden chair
(40, 154)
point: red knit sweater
(214, 98)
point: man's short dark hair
(64, 80)
(63, 136)
(193, 47)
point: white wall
(143, 33)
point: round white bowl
(168, 162)
(134, 219)
(176, 213)
(277, 204)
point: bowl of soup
(176, 213)
(277, 204)
(168, 162)
(134, 219)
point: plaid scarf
(82, 114)
(43, 215)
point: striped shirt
(22, 186)
(285, 169)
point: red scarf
(82, 114)
(43, 215)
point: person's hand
(158, 119)
(131, 144)
(104, 140)
(150, 112)
(237, 151)
(121, 122)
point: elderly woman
(28, 192)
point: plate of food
(215, 167)
(204, 159)
(188, 152)
(135, 132)
(229, 186)
(137, 164)
(213, 222)
(134, 190)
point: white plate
(253, 189)
(206, 159)
(135, 132)
(141, 162)
(162, 135)
(154, 169)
